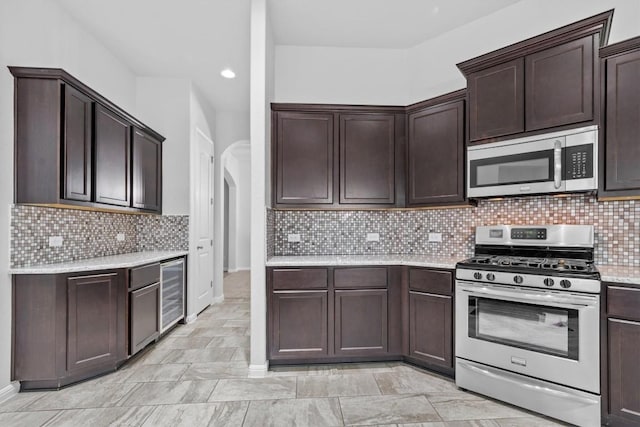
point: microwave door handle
(557, 164)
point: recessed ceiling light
(228, 73)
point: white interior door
(203, 222)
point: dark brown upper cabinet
(303, 158)
(337, 156)
(77, 147)
(541, 84)
(147, 172)
(367, 158)
(560, 85)
(113, 158)
(620, 141)
(435, 151)
(73, 147)
(496, 100)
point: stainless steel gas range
(528, 320)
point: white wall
(164, 104)
(341, 75)
(239, 165)
(40, 33)
(262, 52)
(404, 76)
(231, 126)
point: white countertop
(340, 260)
(619, 273)
(133, 259)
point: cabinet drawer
(300, 278)
(368, 277)
(144, 275)
(623, 302)
(432, 281)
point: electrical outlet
(55, 241)
(293, 237)
(120, 237)
(435, 237)
(373, 237)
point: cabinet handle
(199, 247)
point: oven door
(544, 334)
(501, 169)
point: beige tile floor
(197, 376)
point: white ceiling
(196, 39)
(373, 23)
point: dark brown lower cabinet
(348, 314)
(621, 367)
(145, 317)
(361, 326)
(298, 324)
(624, 371)
(92, 312)
(67, 327)
(430, 328)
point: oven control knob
(518, 279)
(491, 277)
(477, 276)
(548, 282)
(565, 283)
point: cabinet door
(436, 155)
(304, 158)
(298, 323)
(622, 140)
(76, 140)
(361, 326)
(112, 147)
(367, 158)
(559, 85)
(496, 100)
(145, 320)
(430, 332)
(147, 172)
(92, 314)
(624, 371)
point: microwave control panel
(578, 161)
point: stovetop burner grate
(533, 264)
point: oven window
(549, 330)
(514, 169)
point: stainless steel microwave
(565, 161)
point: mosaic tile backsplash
(88, 234)
(271, 229)
(617, 227)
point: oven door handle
(537, 388)
(573, 301)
